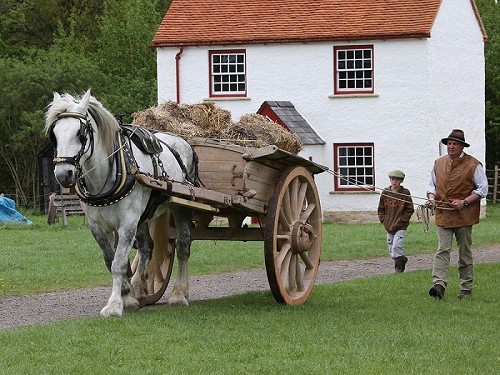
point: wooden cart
(267, 183)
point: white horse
(96, 157)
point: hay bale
(210, 121)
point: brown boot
(400, 264)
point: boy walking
(394, 211)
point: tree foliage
(68, 46)
(490, 14)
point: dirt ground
(50, 307)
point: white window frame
(228, 73)
(354, 166)
(353, 70)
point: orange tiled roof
(208, 22)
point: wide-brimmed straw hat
(456, 135)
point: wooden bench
(63, 205)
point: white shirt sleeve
(431, 189)
(481, 181)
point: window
(354, 167)
(353, 70)
(228, 73)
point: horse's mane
(103, 119)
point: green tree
(68, 46)
(123, 53)
(490, 14)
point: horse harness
(124, 161)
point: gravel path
(49, 307)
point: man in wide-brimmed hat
(457, 184)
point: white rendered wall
(423, 89)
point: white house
(380, 82)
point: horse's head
(69, 127)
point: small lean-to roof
(233, 22)
(287, 114)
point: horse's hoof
(130, 304)
(177, 300)
(111, 311)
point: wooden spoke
(304, 216)
(283, 220)
(309, 265)
(286, 208)
(294, 188)
(283, 252)
(298, 276)
(285, 266)
(301, 200)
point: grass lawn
(380, 325)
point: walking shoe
(400, 264)
(465, 294)
(437, 291)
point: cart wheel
(292, 240)
(162, 260)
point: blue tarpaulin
(8, 211)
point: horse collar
(124, 179)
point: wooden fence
(493, 193)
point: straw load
(210, 121)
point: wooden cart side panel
(260, 179)
(220, 169)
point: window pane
(354, 167)
(359, 64)
(228, 68)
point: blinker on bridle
(85, 128)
